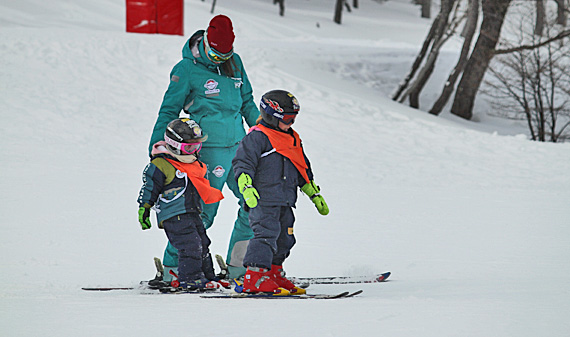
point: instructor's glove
(144, 217)
(249, 192)
(312, 191)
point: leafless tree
(418, 61)
(494, 12)
(426, 9)
(472, 64)
(338, 11)
(442, 29)
(468, 33)
(540, 17)
(281, 6)
(562, 9)
(533, 84)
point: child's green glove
(249, 192)
(144, 217)
(312, 191)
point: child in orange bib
(174, 185)
(270, 165)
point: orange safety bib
(287, 145)
(196, 173)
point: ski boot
(278, 275)
(202, 284)
(194, 286)
(158, 281)
(224, 283)
(258, 280)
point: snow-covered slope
(473, 225)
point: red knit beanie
(221, 34)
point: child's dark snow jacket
(171, 191)
(274, 176)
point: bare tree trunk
(281, 6)
(561, 17)
(551, 97)
(338, 11)
(468, 33)
(439, 39)
(494, 12)
(426, 9)
(419, 59)
(540, 17)
(415, 89)
(419, 85)
(538, 99)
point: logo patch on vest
(212, 89)
(219, 171)
(237, 82)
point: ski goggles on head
(185, 148)
(288, 118)
(214, 55)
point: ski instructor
(211, 86)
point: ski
(106, 288)
(345, 294)
(358, 292)
(304, 282)
(341, 279)
(178, 291)
(143, 285)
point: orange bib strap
(196, 173)
(288, 146)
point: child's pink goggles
(185, 148)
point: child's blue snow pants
(186, 233)
(220, 172)
(273, 236)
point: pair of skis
(345, 294)
(303, 282)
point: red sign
(155, 16)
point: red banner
(155, 16)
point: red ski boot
(278, 275)
(258, 280)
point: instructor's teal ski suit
(219, 103)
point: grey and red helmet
(279, 106)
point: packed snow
(472, 218)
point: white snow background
(472, 218)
